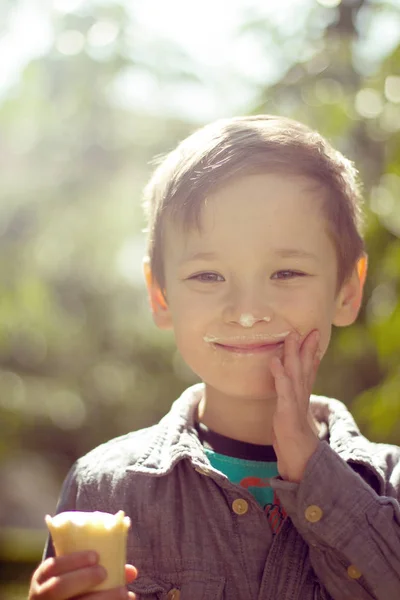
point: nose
(247, 308)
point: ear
(350, 296)
(158, 303)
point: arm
(353, 534)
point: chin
(248, 379)
(245, 390)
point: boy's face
(261, 266)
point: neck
(247, 420)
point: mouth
(250, 348)
(243, 345)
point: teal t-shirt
(252, 475)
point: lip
(256, 344)
(245, 341)
(250, 348)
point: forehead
(260, 211)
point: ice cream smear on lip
(73, 531)
(258, 337)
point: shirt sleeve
(353, 534)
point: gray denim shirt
(341, 538)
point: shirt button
(173, 594)
(240, 506)
(313, 513)
(353, 572)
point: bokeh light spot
(329, 3)
(328, 91)
(392, 88)
(13, 394)
(68, 6)
(390, 117)
(70, 42)
(102, 33)
(368, 103)
(66, 409)
(382, 302)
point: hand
(72, 576)
(295, 436)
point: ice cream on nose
(105, 533)
(247, 320)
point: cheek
(189, 316)
(186, 304)
(312, 311)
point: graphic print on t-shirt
(274, 510)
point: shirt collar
(345, 439)
(175, 438)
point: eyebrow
(281, 252)
(294, 253)
(201, 256)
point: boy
(247, 489)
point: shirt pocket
(186, 585)
(147, 588)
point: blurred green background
(90, 92)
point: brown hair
(239, 146)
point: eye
(206, 277)
(287, 274)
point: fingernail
(92, 558)
(100, 570)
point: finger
(315, 367)
(130, 573)
(119, 593)
(277, 368)
(283, 386)
(312, 360)
(58, 565)
(308, 352)
(292, 363)
(73, 583)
